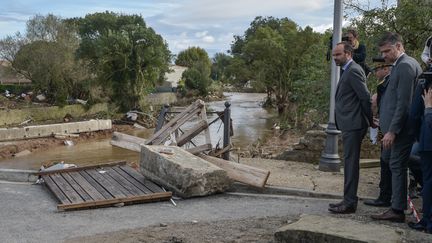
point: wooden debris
(239, 172)
(101, 185)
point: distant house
(172, 78)
(9, 76)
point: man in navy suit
(353, 115)
(421, 118)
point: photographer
(421, 118)
(426, 55)
(359, 55)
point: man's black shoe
(343, 209)
(377, 203)
(417, 226)
(333, 205)
(390, 215)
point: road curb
(18, 175)
(274, 190)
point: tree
(46, 56)
(219, 69)
(276, 53)
(412, 22)
(198, 75)
(128, 57)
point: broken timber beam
(134, 143)
(191, 133)
(239, 172)
(175, 123)
(199, 149)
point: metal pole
(161, 118)
(227, 132)
(330, 160)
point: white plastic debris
(58, 166)
(68, 143)
(132, 116)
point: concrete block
(18, 175)
(51, 129)
(182, 172)
(313, 228)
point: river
(250, 122)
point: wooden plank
(92, 191)
(143, 198)
(132, 180)
(240, 172)
(199, 149)
(216, 154)
(191, 133)
(166, 127)
(83, 194)
(110, 187)
(127, 141)
(123, 182)
(204, 118)
(141, 179)
(180, 122)
(55, 190)
(104, 192)
(67, 189)
(80, 168)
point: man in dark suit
(382, 72)
(421, 118)
(353, 115)
(394, 111)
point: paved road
(28, 213)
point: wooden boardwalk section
(101, 185)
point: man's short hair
(347, 47)
(390, 38)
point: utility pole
(330, 160)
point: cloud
(208, 39)
(182, 23)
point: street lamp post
(330, 160)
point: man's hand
(427, 97)
(388, 140)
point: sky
(182, 23)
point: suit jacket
(352, 101)
(396, 101)
(421, 121)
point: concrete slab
(182, 172)
(7, 134)
(314, 228)
(18, 175)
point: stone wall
(310, 147)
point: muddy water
(250, 122)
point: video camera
(425, 80)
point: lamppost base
(330, 161)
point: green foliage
(197, 77)
(128, 57)
(284, 60)
(412, 22)
(219, 69)
(48, 60)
